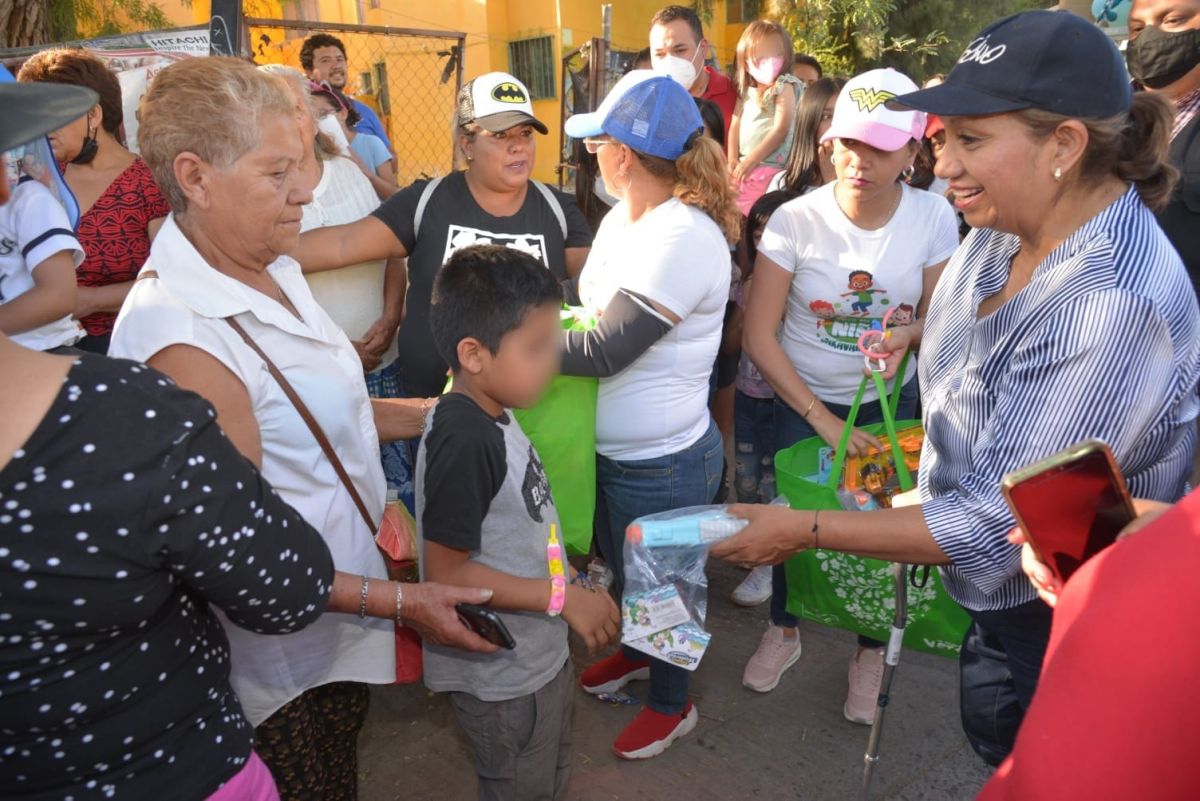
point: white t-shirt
(846, 278)
(676, 256)
(33, 227)
(185, 305)
(352, 296)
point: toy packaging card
(647, 613)
(681, 645)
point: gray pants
(522, 746)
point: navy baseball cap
(646, 110)
(1049, 60)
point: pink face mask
(766, 70)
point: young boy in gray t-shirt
(485, 515)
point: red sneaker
(612, 673)
(652, 732)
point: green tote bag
(851, 592)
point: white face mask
(766, 70)
(683, 71)
(601, 191)
(331, 127)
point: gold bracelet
(808, 411)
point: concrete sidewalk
(792, 743)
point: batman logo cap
(496, 102)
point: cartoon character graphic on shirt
(535, 489)
(840, 323)
(862, 287)
(461, 236)
(903, 315)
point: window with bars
(532, 62)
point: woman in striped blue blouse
(1066, 314)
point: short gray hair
(213, 106)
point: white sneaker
(776, 653)
(866, 676)
(755, 589)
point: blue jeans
(754, 454)
(627, 490)
(999, 666)
(790, 428)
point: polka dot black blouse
(126, 520)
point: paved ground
(789, 744)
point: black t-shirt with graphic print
(451, 220)
(124, 516)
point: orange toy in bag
(874, 476)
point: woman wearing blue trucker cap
(1065, 315)
(658, 280)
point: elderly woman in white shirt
(225, 145)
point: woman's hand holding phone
(1048, 587)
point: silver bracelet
(399, 603)
(362, 604)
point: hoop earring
(908, 172)
(628, 183)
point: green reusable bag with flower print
(851, 592)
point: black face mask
(87, 151)
(1157, 58)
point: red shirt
(114, 235)
(721, 91)
(1113, 718)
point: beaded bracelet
(362, 603)
(558, 574)
(399, 603)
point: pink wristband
(558, 596)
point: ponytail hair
(1132, 147)
(701, 179)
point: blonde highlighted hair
(701, 179)
(214, 107)
(1132, 147)
(755, 32)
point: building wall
(490, 26)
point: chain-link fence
(411, 78)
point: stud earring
(1058, 173)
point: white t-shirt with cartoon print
(845, 279)
(34, 227)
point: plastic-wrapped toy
(870, 481)
(666, 591)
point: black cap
(35, 109)
(1049, 60)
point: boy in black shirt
(487, 519)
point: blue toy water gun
(698, 528)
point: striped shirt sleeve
(1074, 361)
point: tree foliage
(918, 37)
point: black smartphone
(1071, 505)
(486, 623)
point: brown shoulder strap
(310, 421)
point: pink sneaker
(776, 653)
(866, 676)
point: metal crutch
(891, 659)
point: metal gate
(410, 77)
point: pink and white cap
(861, 111)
